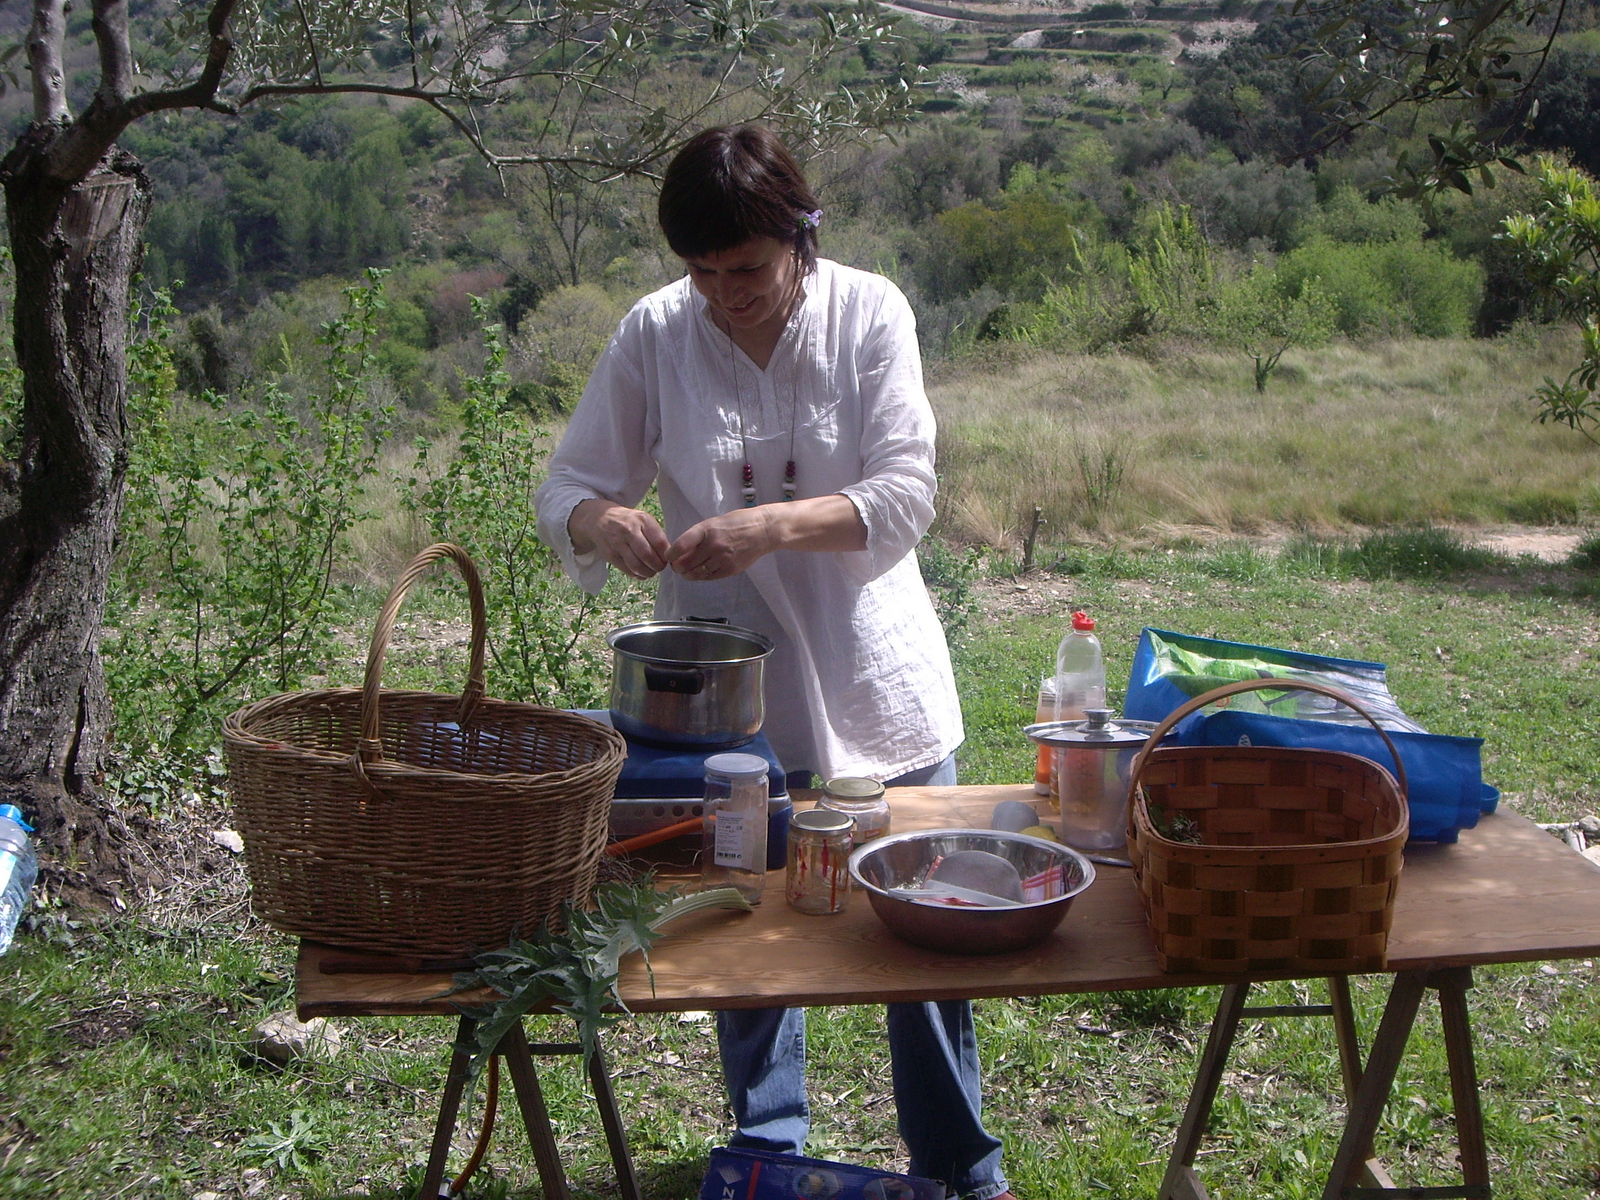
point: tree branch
(311, 42)
(45, 40)
(116, 52)
(74, 154)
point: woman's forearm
(827, 523)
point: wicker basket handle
(370, 747)
(1256, 685)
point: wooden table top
(1506, 892)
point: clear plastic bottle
(1080, 686)
(18, 869)
(735, 838)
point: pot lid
(1096, 732)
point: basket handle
(1256, 685)
(370, 747)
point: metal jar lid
(822, 820)
(1096, 732)
(852, 788)
(737, 766)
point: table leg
(1180, 1181)
(449, 1106)
(1453, 985)
(616, 1135)
(530, 1098)
(1366, 1107)
(1371, 1171)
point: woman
(776, 401)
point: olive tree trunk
(76, 247)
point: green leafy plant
(293, 1148)
(481, 497)
(1560, 244)
(950, 574)
(573, 964)
(1263, 319)
(1101, 466)
(1172, 273)
(237, 516)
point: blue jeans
(937, 1081)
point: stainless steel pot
(687, 683)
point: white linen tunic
(860, 682)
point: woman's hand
(630, 539)
(729, 543)
(723, 545)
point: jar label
(736, 840)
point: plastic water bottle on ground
(1080, 686)
(18, 869)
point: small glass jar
(734, 852)
(861, 799)
(818, 880)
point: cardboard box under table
(1506, 892)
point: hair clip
(810, 220)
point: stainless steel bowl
(904, 859)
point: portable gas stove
(661, 787)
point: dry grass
(1386, 433)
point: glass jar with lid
(734, 853)
(818, 880)
(861, 799)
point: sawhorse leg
(1180, 1181)
(518, 1053)
(1399, 1014)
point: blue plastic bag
(762, 1175)
(1444, 774)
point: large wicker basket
(416, 822)
(1299, 851)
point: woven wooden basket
(418, 822)
(1299, 855)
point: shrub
(1394, 287)
(481, 498)
(1586, 554)
(1021, 246)
(237, 517)
(1423, 553)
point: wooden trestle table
(1505, 892)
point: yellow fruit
(1041, 831)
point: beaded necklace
(748, 476)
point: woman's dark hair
(732, 183)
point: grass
(123, 1069)
(1348, 435)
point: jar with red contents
(820, 841)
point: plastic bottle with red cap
(1080, 671)
(1080, 685)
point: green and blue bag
(1447, 792)
(762, 1175)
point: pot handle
(708, 620)
(682, 681)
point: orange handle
(654, 837)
